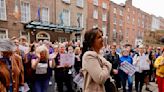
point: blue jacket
(126, 58)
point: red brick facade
(134, 23)
(14, 26)
(102, 8)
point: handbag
(110, 86)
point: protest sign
(127, 67)
(79, 80)
(68, 59)
(144, 63)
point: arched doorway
(42, 36)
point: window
(138, 22)
(26, 34)
(114, 20)
(95, 14)
(2, 10)
(80, 3)
(45, 15)
(66, 1)
(121, 12)
(143, 24)
(114, 34)
(3, 33)
(143, 17)
(62, 39)
(25, 12)
(42, 36)
(128, 19)
(104, 30)
(138, 33)
(120, 35)
(115, 10)
(127, 31)
(104, 17)
(128, 10)
(80, 20)
(95, 2)
(104, 5)
(121, 22)
(133, 21)
(96, 25)
(66, 17)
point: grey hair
(7, 45)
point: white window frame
(133, 21)
(128, 19)
(142, 23)
(121, 12)
(68, 16)
(95, 14)
(43, 17)
(96, 25)
(104, 5)
(45, 38)
(121, 22)
(67, 1)
(128, 9)
(104, 17)
(81, 20)
(80, 3)
(114, 35)
(96, 2)
(115, 20)
(104, 30)
(138, 22)
(5, 17)
(115, 10)
(6, 30)
(26, 19)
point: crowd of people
(29, 66)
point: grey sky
(155, 7)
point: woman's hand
(115, 71)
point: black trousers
(139, 81)
(117, 80)
(62, 77)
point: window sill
(4, 20)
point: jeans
(41, 85)
(124, 78)
(130, 83)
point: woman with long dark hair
(95, 68)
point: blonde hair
(76, 49)
(42, 48)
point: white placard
(68, 59)
(41, 68)
(127, 67)
(144, 63)
(79, 80)
(23, 48)
(24, 88)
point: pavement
(152, 86)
